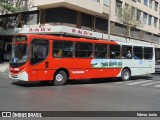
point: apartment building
(147, 12)
(84, 18)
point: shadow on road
(80, 82)
(142, 77)
(31, 84)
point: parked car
(157, 67)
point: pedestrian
(129, 55)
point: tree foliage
(7, 6)
(127, 16)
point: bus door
(39, 52)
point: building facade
(147, 12)
(93, 15)
(89, 15)
(85, 18)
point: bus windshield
(19, 55)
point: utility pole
(109, 21)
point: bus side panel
(139, 66)
(40, 73)
(77, 68)
(84, 68)
(94, 73)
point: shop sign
(81, 32)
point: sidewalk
(4, 67)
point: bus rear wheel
(60, 78)
(125, 75)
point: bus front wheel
(125, 75)
(60, 78)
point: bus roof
(52, 37)
(68, 38)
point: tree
(6, 7)
(127, 16)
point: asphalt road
(139, 94)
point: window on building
(60, 15)
(107, 2)
(126, 52)
(118, 6)
(100, 51)
(150, 20)
(114, 51)
(148, 53)
(134, 0)
(101, 24)
(86, 20)
(150, 3)
(146, 2)
(156, 6)
(138, 52)
(84, 50)
(155, 22)
(97, 0)
(126, 5)
(145, 18)
(133, 10)
(138, 15)
(139, 1)
(62, 49)
(120, 29)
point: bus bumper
(20, 76)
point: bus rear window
(19, 38)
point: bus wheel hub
(126, 75)
(59, 78)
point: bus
(59, 59)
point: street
(139, 94)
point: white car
(157, 67)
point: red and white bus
(59, 59)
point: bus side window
(148, 53)
(62, 49)
(100, 51)
(84, 50)
(114, 51)
(138, 52)
(127, 52)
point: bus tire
(60, 78)
(125, 75)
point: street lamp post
(109, 21)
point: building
(85, 18)
(147, 12)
